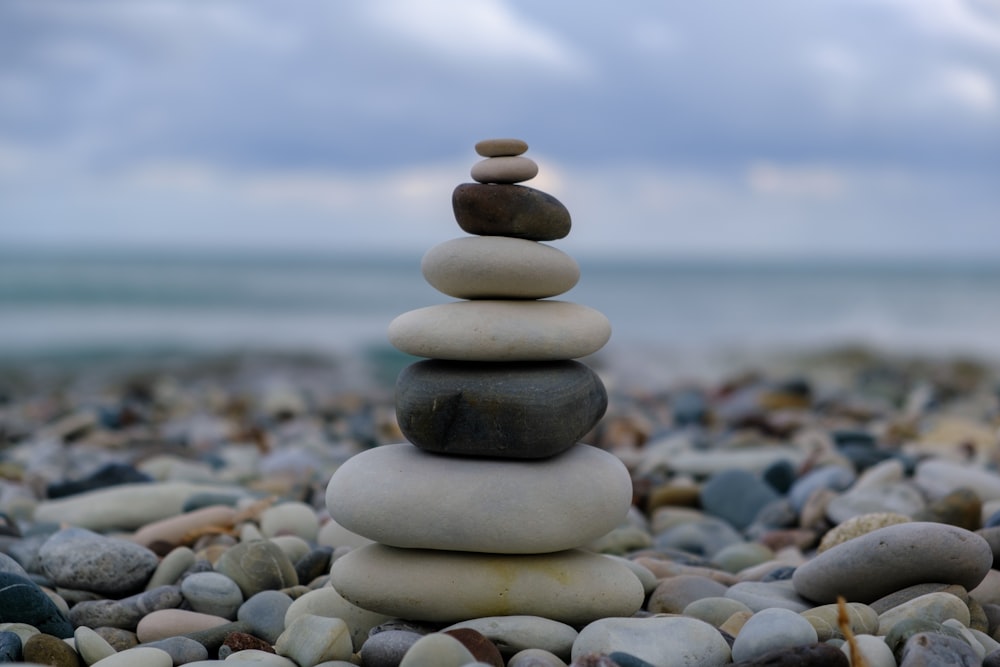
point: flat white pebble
(311, 639)
(873, 649)
(140, 655)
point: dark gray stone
(509, 410)
(386, 649)
(10, 647)
(22, 601)
(510, 210)
(127, 612)
(264, 614)
(81, 559)
(736, 496)
(810, 655)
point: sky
(759, 128)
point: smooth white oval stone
(685, 641)
(494, 330)
(501, 147)
(504, 170)
(573, 587)
(499, 267)
(405, 497)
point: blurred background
(181, 176)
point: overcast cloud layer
(830, 127)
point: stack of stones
(485, 510)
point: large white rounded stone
(499, 267)
(662, 640)
(573, 587)
(494, 330)
(405, 497)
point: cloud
(796, 181)
(483, 33)
(970, 88)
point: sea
(670, 316)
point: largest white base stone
(573, 587)
(405, 497)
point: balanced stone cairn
(485, 510)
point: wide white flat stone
(499, 267)
(573, 587)
(405, 497)
(495, 330)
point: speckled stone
(257, 566)
(572, 587)
(80, 559)
(49, 650)
(501, 330)
(501, 147)
(508, 410)
(499, 267)
(23, 601)
(404, 497)
(877, 563)
(858, 526)
(510, 210)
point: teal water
(73, 305)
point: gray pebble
(386, 649)
(182, 650)
(127, 612)
(264, 614)
(81, 559)
(212, 593)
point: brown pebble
(962, 507)
(501, 147)
(49, 650)
(479, 645)
(119, 639)
(242, 641)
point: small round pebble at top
(501, 147)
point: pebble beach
(177, 515)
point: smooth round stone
(504, 170)
(182, 650)
(929, 649)
(140, 655)
(771, 629)
(736, 496)
(571, 587)
(501, 147)
(165, 623)
(437, 650)
(125, 507)
(127, 612)
(49, 650)
(861, 618)
(23, 601)
(873, 650)
(314, 564)
(404, 497)
(311, 639)
(8, 564)
(328, 602)
(212, 593)
(835, 477)
(257, 566)
(687, 641)
(738, 557)
(933, 606)
(509, 210)
(386, 649)
(510, 410)
(535, 657)
(499, 267)
(294, 547)
(80, 559)
(91, 646)
(715, 610)
(492, 330)
(265, 614)
(513, 634)
(290, 518)
(885, 560)
(171, 567)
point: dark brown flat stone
(509, 210)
